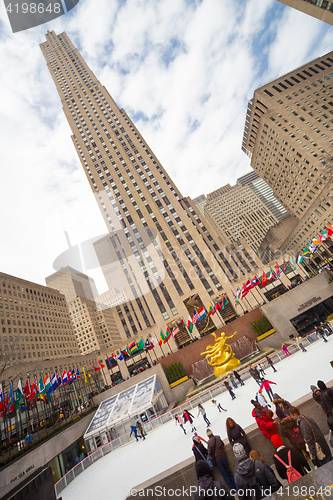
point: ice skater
(300, 343)
(261, 370)
(262, 400)
(218, 405)
(188, 417)
(180, 422)
(231, 392)
(232, 380)
(238, 377)
(320, 332)
(202, 412)
(255, 374)
(135, 431)
(266, 384)
(270, 362)
(285, 350)
(141, 429)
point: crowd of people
(297, 439)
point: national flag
(195, 316)
(96, 369)
(245, 289)
(10, 401)
(168, 334)
(133, 348)
(317, 240)
(59, 379)
(18, 394)
(148, 345)
(70, 377)
(201, 313)
(78, 374)
(154, 340)
(264, 279)
(285, 266)
(254, 282)
(292, 262)
(141, 344)
(1, 401)
(113, 355)
(121, 356)
(127, 351)
(211, 310)
(85, 375)
(74, 374)
(27, 391)
(217, 306)
(47, 383)
(101, 364)
(306, 251)
(322, 236)
(329, 231)
(235, 299)
(182, 325)
(224, 302)
(299, 258)
(175, 330)
(189, 324)
(313, 248)
(271, 275)
(41, 387)
(162, 339)
(278, 271)
(54, 382)
(34, 390)
(64, 378)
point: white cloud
(187, 67)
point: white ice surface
(114, 475)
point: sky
(183, 70)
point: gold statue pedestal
(220, 356)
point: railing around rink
(203, 397)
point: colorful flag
(18, 394)
(182, 325)
(10, 401)
(271, 275)
(161, 340)
(235, 298)
(217, 305)
(264, 279)
(54, 382)
(278, 271)
(133, 348)
(254, 282)
(148, 345)
(245, 289)
(154, 340)
(175, 330)
(78, 374)
(34, 390)
(113, 355)
(225, 301)
(96, 369)
(141, 344)
(292, 262)
(299, 258)
(195, 316)
(41, 387)
(47, 383)
(201, 313)
(121, 356)
(59, 379)
(313, 248)
(285, 266)
(85, 375)
(211, 310)
(64, 378)
(168, 334)
(74, 374)
(306, 251)
(1, 400)
(27, 391)
(101, 364)
(189, 324)
(127, 351)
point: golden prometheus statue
(221, 356)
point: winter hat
(313, 388)
(209, 432)
(277, 441)
(195, 434)
(321, 385)
(202, 468)
(260, 391)
(239, 451)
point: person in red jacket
(264, 419)
(266, 384)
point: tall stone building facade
(289, 137)
(320, 9)
(160, 253)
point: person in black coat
(255, 374)
(207, 484)
(312, 434)
(252, 474)
(236, 434)
(231, 392)
(325, 398)
(238, 377)
(199, 450)
(297, 459)
(270, 362)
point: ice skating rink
(113, 476)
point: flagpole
(235, 296)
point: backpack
(292, 473)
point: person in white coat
(262, 400)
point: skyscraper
(288, 136)
(159, 247)
(320, 9)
